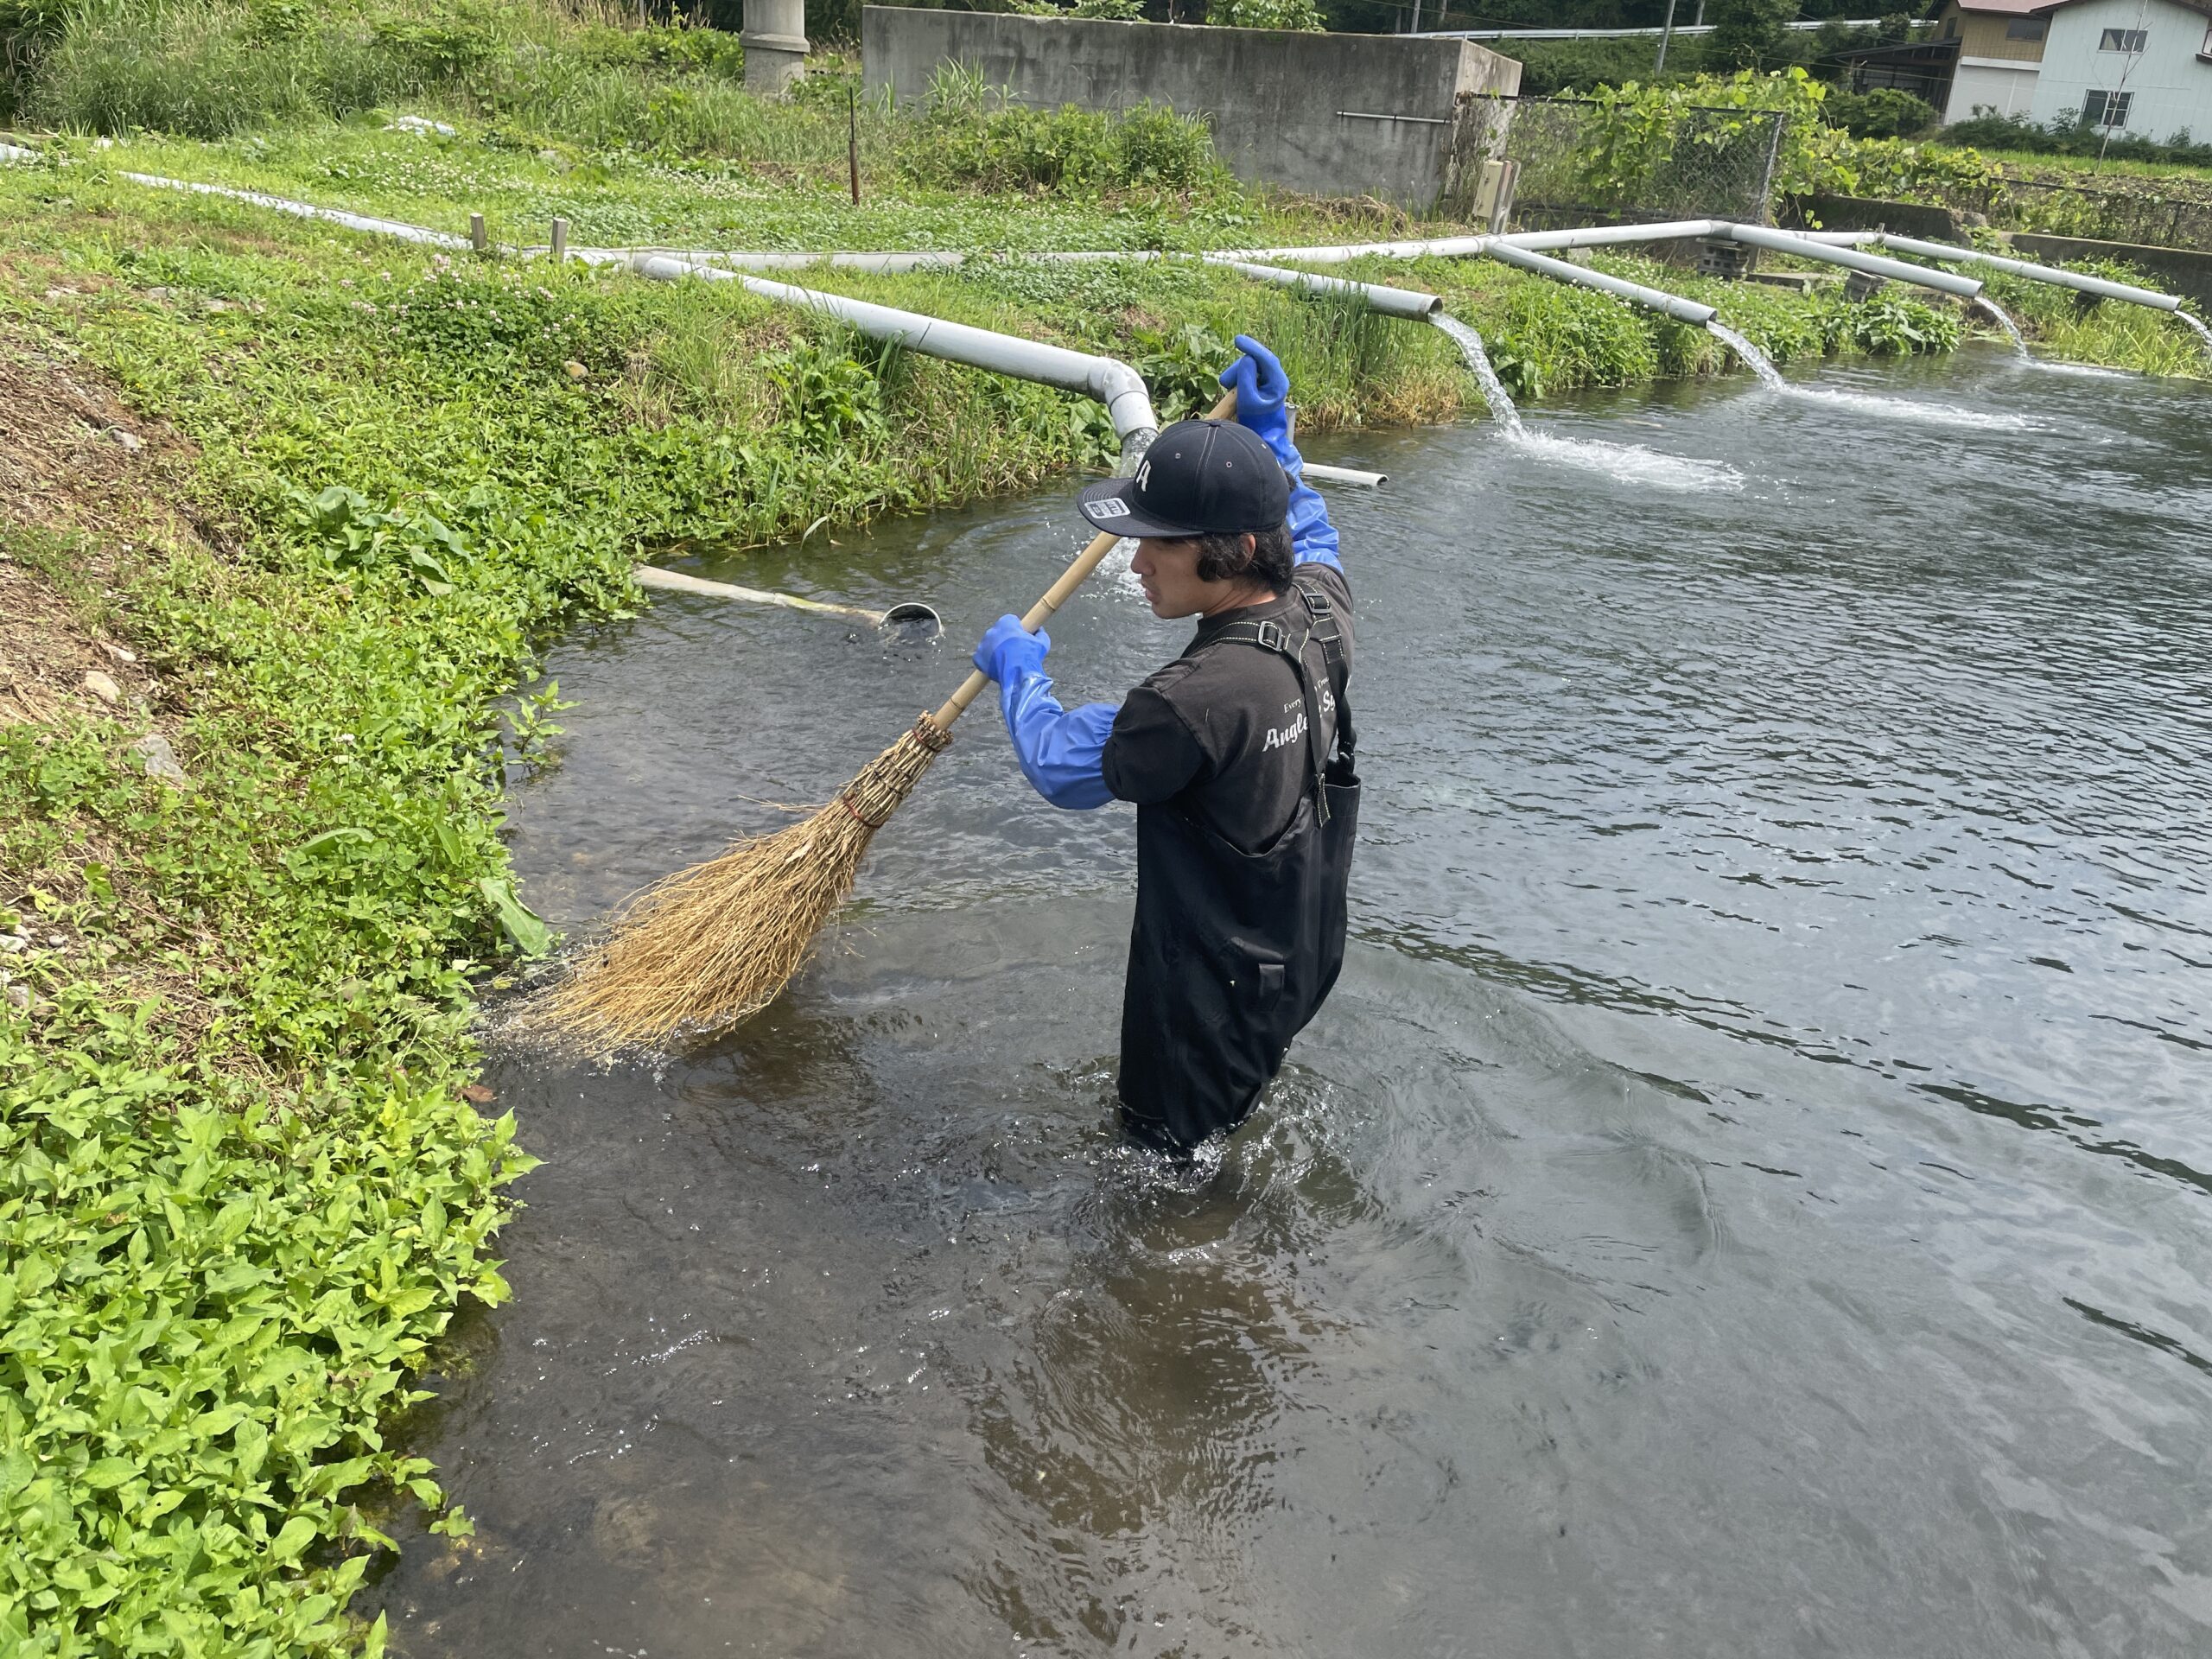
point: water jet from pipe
(2197, 323)
(1629, 463)
(1898, 409)
(2011, 328)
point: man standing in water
(1238, 755)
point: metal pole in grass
(704, 950)
(853, 139)
(560, 240)
(479, 238)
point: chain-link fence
(1580, 161)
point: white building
(2142, 67)
(2000, 46)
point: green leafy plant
(827, 396)
(1637, 135)
(1880, 113)
(356, 537)
(1301, 14)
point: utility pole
(774, 38)
(1666, 34)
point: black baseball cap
(1200, 478)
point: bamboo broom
(710, 946)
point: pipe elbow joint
(1128, 402)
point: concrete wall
(2178, 270)
(2171, 85)
(1290, 109)
(1872, 214)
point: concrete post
(774, 39)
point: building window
(2027, 29)
(2105, 109)
(2124, 40)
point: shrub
(1748, 33)
(1638, 137)
(969, 135)
(213, 67)
(205, 72)
(2063, 136)
(1884, 112)
(1301, 14)
(1552, 67)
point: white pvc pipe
(16, 153)
(393, 227)
(1395, 301)
(1672, 305)
(1678, 30)
(1391, 301)
(1345, 475)
(1606, 236)
(2073, 279)
(1449, 247)
(1462, 247)
(1758, 236)
(1114, 384)
(879, 263)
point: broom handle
(1055, 596)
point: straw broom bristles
(705, 948)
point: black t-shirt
(1221, 730)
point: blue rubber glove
(1007, 649)
(1313, 537)
(1262, 406)
(1262, 397)
(1061, 751)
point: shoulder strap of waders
(1324, 627)
(1290, 643)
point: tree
(1265, 14)
(1748, 33)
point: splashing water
(1895, 409)
(2198, 324)
(1753, 359)
(2019, 340)
(1494, 392)
(1627, 463)
(1631, 463)
(2021, 350)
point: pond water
(1750, 1193)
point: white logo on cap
(1144, 477)
(1112, 507)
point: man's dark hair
(1222, 556)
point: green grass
(2087, 169)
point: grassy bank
(311, 505)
